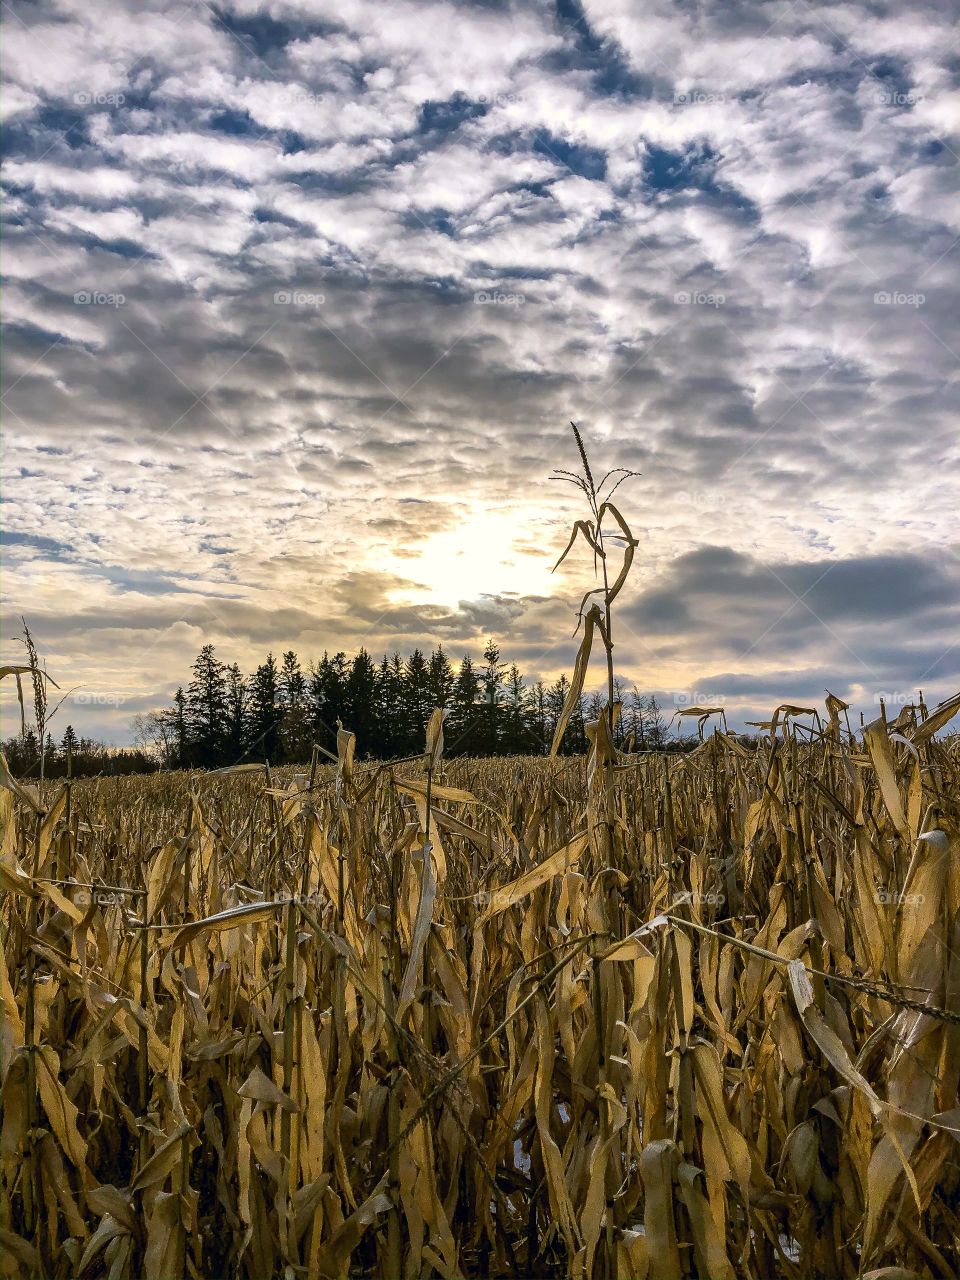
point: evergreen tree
(539, 717)
(417, 697)
(361, 702)
(491, 693)
(574, 738)
(462, 735)
(517, 737)
(69, 743)
(265, 712)
(391, 718)
(325, 699)
(441, 678)
(235, 727)
(206, 708)
(295, 733)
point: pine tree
(517, 735)
(235, 730)
(295, 734)
(441, 678)
(417, 698)
(574, 738)
(361, 706)
(491, 692)
(325, 699)
(207, 708)
(462, 735)
(265, 712)
(539, 717)
(69, 743)
(391, 726)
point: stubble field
(634, 1016)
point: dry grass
(539, 1048)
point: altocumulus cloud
(298, 292)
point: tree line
(72, 756)
(222, 716)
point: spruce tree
(295, 736)
(463, 733)
(441, 678)
(539, 717)
(265, 712)
(69, 743)
(206, 708)
(235, 733)
(516, 737)
(417, 697)
(491, 693)
(360, 699)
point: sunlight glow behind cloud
(301, 297)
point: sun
(490, 552)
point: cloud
(291, 293)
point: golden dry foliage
(635, 1016)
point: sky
(301, 297)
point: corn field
(627, 1016)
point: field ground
(685, 1016)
